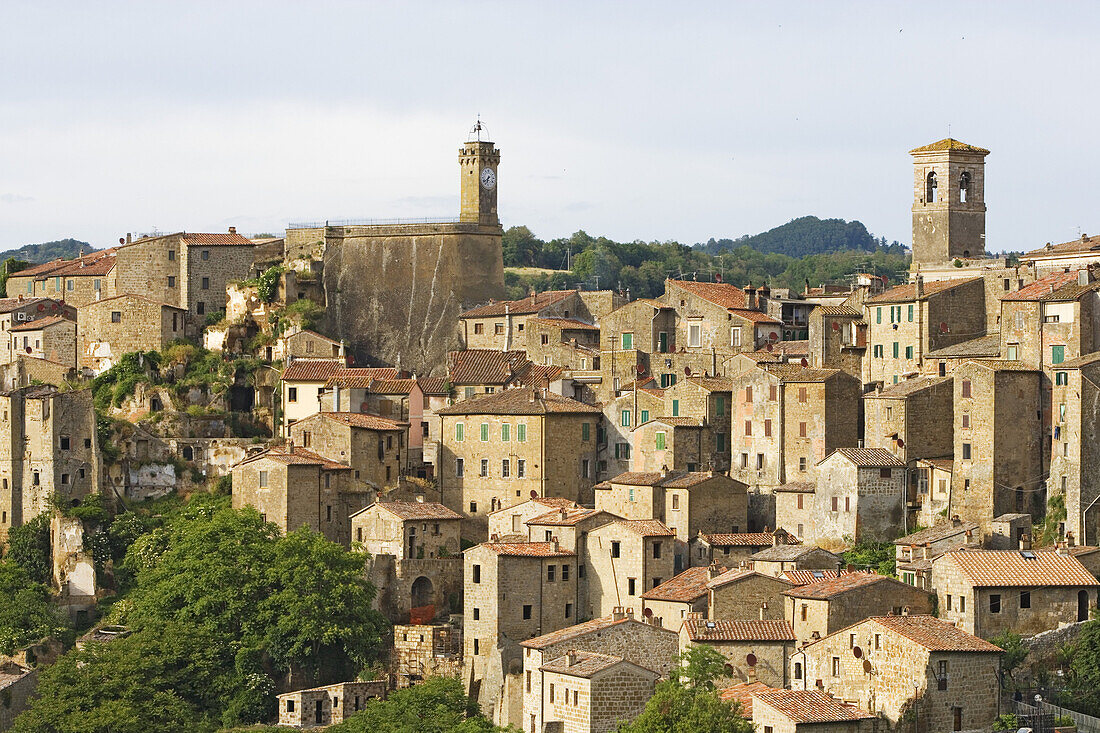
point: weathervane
(477, 129)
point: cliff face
(395, 292)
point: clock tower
(478, 160)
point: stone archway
(423, 593)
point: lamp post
(1039, 714)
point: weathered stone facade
(323, 706)
(423, 650)
(755, 650)
(373, 446)
(624, 559)
(746, 594)
(17, 684)
(52, 338)
(1075, 457)
(107, 329)
(819, 609)
(593, 693)
(621, 415)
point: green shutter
(719, 405)
(908, 352)
(645, 415)
(628, 341)
(484, 432)
(910, 312)
(505, 432)
(660, 441)
(586, 431)
(1057, 354)
(521, 433)
(676, 408)
(624, 419)
(895, 349)
(878, 314)
(460, 432)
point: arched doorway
(422, 592)
(1083, 605)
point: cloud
(14, 198)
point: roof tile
(699, 629)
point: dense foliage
(29, 548)
(877, 556)
(10, 266)
(808, 235)
(643, 267)
(439, 705)
(25, 612)
(221, 605)
(688, 703)
(1083, 680)
(65, 249)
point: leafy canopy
(26, 615)
(436, 706)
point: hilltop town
(344, 464)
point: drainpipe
(782, 475)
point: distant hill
(805, 236)
(46, 251)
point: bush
(1007, 721)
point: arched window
(964, 186)
(930, 188)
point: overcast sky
(672, 120)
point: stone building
(306, 344)
(107, 329)
(818, 609)
(17, 685)
(942, 362)
(312, 385)
(511, 521)
(476, 372)
(741, 593)
(644, 324)
(1052, 320)
(502, 448)
(755, 650)
(688, 502)
(589, 692)
(425, 650)
(985, 592)
(48, 452)
(505, 325)
(933, 493)
(371, 445)
(685, 593)
(320, 707)
(76, 282)
(511, 592)
(52, 338)
(633, 407)
(907, 668)
(675, 443)
(915, 552)
(1075, 254)
(948, 202)
(908, 418)
(998, 462)
(298, 488)
(778, 559)
(860, 496)
(838, 339)
(1075, 454)
(718, 318)
(707, 398)
(624, 559)
(565, 342)
(807, 711)
(731, 548)
(17, 311)
(618, 634)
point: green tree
(877, 556)
(436, 706)
(1084, 667)
(25, 611)
(29, 548)
(689, 702)
(520, 247)
(1015, 651)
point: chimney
(290, 445)
(20, 297)
(664, 471)
(232, 230)
(714, 569)
(617, 613)
(630, 612)
(563, 512)
(554, 544)
(763, 609)
(751, 676)
(956, 521)
(750, 297)
(571, 657)
(851, 568)
(494, 537)
(1062, 548)
(128, 237)
(1084, 276)
(1070, 541)
(1025, 541)
(919, 282)
(905, 610)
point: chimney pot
(1070, 541)
(955, 521)
(494, 537)
(571, 655)
(419, 498)
(232, 230)
(1025, 541)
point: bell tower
(948, 202)
(478, 160)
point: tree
(1015, 651)
(1084, 667)
(25, 612)
(29, 548)
(688, 703)
(877, 556)
(436, 706)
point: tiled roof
(130, 296)
(907, 388)
(733, 575)
(526, 306)
(908, 291)
(786, 553)
(1042, 287)
(550, 501)
(1071, 291)
(796, 487)
(746, 539)
(7, 305)
(742, 693)
(671, 480)
(418, 510)
(811, 706)
(217, 239)
(39, 323)
(949, 143)
(484, 366)
(699, 629)
(686, 587)
(95, 263)
(870, 457)
(794, 347)
(391, 386)
(302, 370)
(755, 316)
(530, 374)
(433, 385)
(838, 310)
(935, 634)
(646, 527)
(296, 456)
(1080, 361)
(712, 384)
(1001, 365)
(521, 401)
(1001, 568)
(586, 664)
(677, 422)
(941, 531)
(721, 294)
(833, 587)
(594, 626)
(788, 372)
(566, 516)
(11, 673)
(1084, 243)
(806, 577)
(360, 377)
(943, 464)
(568, 324)
(361, 420)
(527, 549)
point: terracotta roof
(594, 626)
(1002, 365)
(566, 516)
(484, 366)
(786, 553)
(949, 143)
(796, 487)
(526, 306)
(646, 527)
(755, 316)
(1084, 243)
(788, 372)
(567, 324)
(39, 323)
(794, 347)
(433, 385)
(1042, 287)
(7, 305)
(908, 291)
(838, 310)
(833, 587)
(742, 693)
(721, 294)
(553, 501)
(935, 634)
(943, 464)
(298, 457)
(302, 370)
(677, 422)
(811, 706)
(530, 374)
(360, 377)
(1001, 568)
(907, 388)
(521, 401)
(587, 664)
(95, 264)
(527, 549)
(746, 539)
(215, 239)
(806, 577)
(1071, 291)
(699, 629)
(391, 386)
(869, 457)
(417, 510)
(711, 384)
(686, 587)
(941, 531)
(671, 480)
(360, 420)
(130, 296)
(1080, 361)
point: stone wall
(745, 599)
(610, 578)
(141, 325)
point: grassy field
(533, 270)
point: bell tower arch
(948, 202)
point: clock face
(488, 178)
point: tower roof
(949, 143)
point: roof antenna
(949, 130)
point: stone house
(755, 650)
(685, 593)
(476, 372)
(985, 592)
(24, 371)
(998, 457)
(908, 418)
(901, 668)
(731, 548)
(644, 324)
(618, 634)
(708, 398)
(1081, 252)
(859, 496)
(502, 448)
(1075, 452)
(512, 520)
(588, 692)
(76, 282)
(298, 488)
(52, 338)
(818, 609)
(787, 418)
(626, 558)
(17, 685)
(778, 559)
(512, 591)
(502, 325)
(186, 269)
(1052, 320)
(373, 446)
(741, 593)
(425, 650)
(719, 318)
(807, 711)
(320, 707)
(415, 556)
(570, 525)
(305, 344)
(676, 443)
(566, 342)
(837, 339)
(48, 451)
(633, 407)
(942, 362)
(437, 395)
(688, 502)
(1013, 532)
(305, 386)
(915, 552)
(106, 329)
(909, 321)
(17, 312)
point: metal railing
(372, 222)
(1030, 716)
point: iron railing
(372, 222)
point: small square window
(116, 316)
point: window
(759, 461)
(767, 428)
(586, 431)
(116, 316)
(895, 349)
(748, 427)
(484, 432)
(878, 351)
(477, 648)
(735, 336)
(676, 408)
(744, 460)
(748, 394)
(460, 432)
(64, 478)
(910, 312)
(695, 334)
(551, 693)
(644, 416)
(995, 603)
(171, 255)
(1061, 378)
(1057, 354)
(1013, 352)
(836, 666)
(847, 503)
(551, 571)
(800, 495)
(206, 254)
(64, 442)
(627, 341)
(615, 549)
(631, 586)
(675, 502)
(908, 352)
(885, 473)
(200, 308)
(772, 392)
(624, 418)
(476, 574)
(484, 467)
(719, 405)
(966, 388)
(964, 192)
(505, 432)
(836, 503)
(521, 432)
(721, 442)
(564, 572)
(802, 394)
(171, 281)
(878, 314)
(586, 468)
(568, 607)
(505, 468)
(656, 550)
(460, 467)
(966, 451)
(803, 614)
(962, 604)
(802, 430)
(263, 479)
(521, 468)
(1025, 599)
(966, 419)
(660, 440)
(941, 674)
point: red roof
(935, 634)
(40, 323)
(686, 587)
(485, 366)
(302, 370)
(699, 629)
(721, 294)
(748, 539)
(360, 420)
(742, 693)
(811, 706)
(298, 456)
(902, 293)
(1001, 568)
(1043, 286)
(576, 631)
(646, 527)
(93, 263)
(417, 510)
(755, 316)
(832, 587)
(527, 549)
(526, 306)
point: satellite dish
(804, 362)
(122, 240)
(534, 494)
(750, 659)
(867, 666)
(944, 328)
(364, 407)
(641, 370)
(648, 613)
(857, 652)
(773, 336)
(687, 371)
(836, 326)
